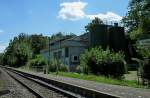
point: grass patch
(1, 84)
(100, 79)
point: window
(66, 52)
(75, 58)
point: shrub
(144, 63)
(143, 51)
(82, 69)
(38, 60)
(136, 34)
(145, 71)
(55, 66)
(103, 62)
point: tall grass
(101, 79)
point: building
(67, 50)
(108, 35)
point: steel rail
(49, 86)
(73, 90)
(25, 86)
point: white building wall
(75, 51)
(76, 48)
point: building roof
(60, 39)
(82, 39)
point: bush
(38, 60)
(82, 69)
(144, 63)
(56, 66)
(103, 62)
(136, 34)
(143, 51)
(145, 71)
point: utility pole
(47, 68)
(48, 55)
(49, 51)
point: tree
(24, 47)
(1, 59)
(38, 42)
(22, 54)
(137, 19)
(56, 36)
(95, 21)
(18, 51)
(60, 35)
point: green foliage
(100, 79)
(146, 71)
(22, 54)
(104, 62)
(38, 42)
(55, 66)
(136, 34)
(94, 22)
(60, 35)
(22, 48)
(137, 19)
(144, 51)
(18, 52)
(56, 36)
(1, 59)
(38, 60)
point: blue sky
(48, 17)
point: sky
(48, 17)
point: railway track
(27, 87)
(39, 88)
(53, 88)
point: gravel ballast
(44, 92)
(12, 89)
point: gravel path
(123, 91)
(11, 88)
(44, 92)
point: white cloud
(72, 10)
(75, 11)
(3, 47)
(109, 16)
